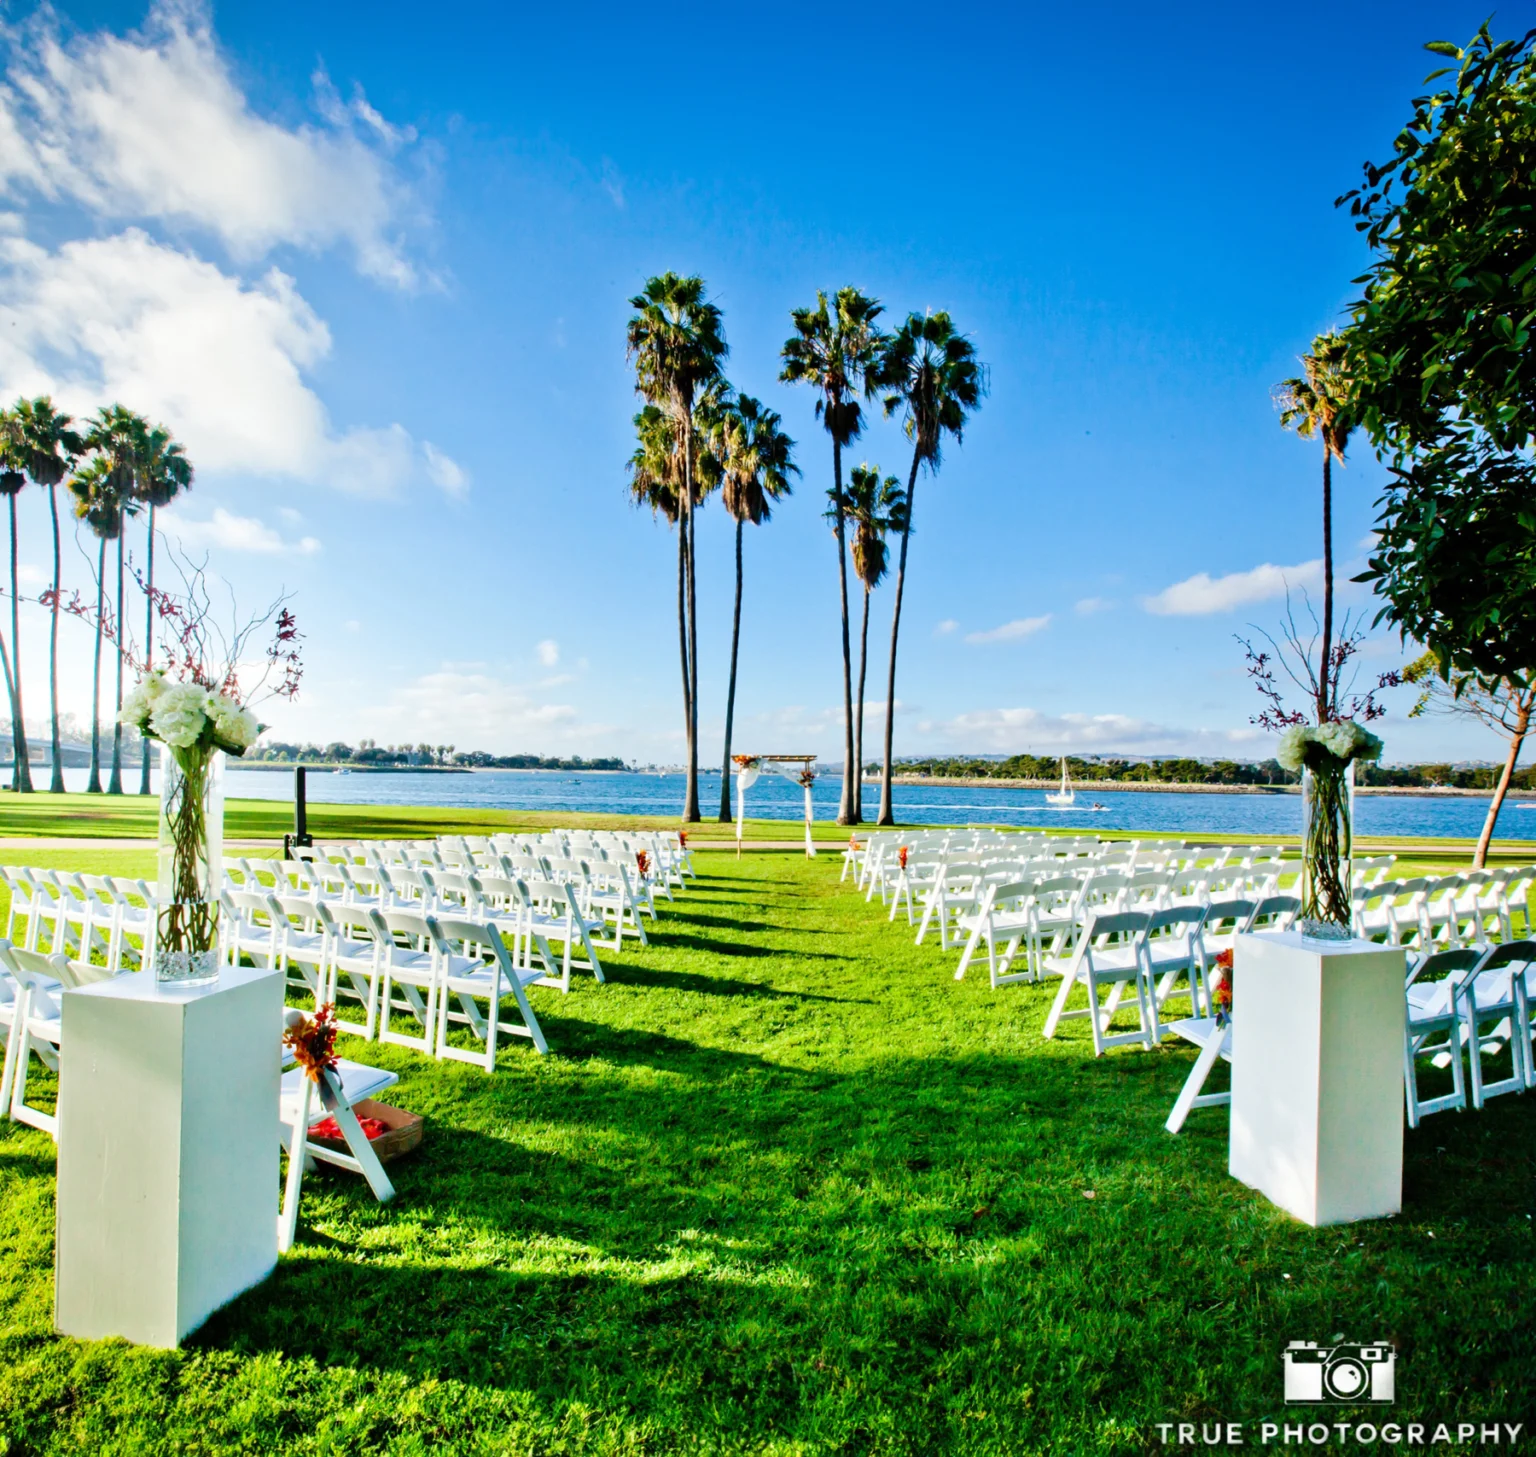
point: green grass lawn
(783, 1186)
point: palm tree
(12, 479)
(676, 343)
(1314, 405)
(935, 381)
(754, 455)
(164, 473)
(99, 503)
(120, 437)
(655, 472)
(48, 450)
(837, 350)
(875, 508)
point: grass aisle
(784, 1186)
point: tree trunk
(10, 693)
(149, 644)
(1516, 740)
(730, 694)
(22, 782)
(847, 811)
(691, 813)
(115, 784)
(682, 617)
(1326, 704)
(858, 714)
(93, 784)
(56, 783)
(887, 812)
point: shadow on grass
(684, 981)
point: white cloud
(220, 361)
(549, 652)
(153, 127)
(1087, 606)
(1202, 594)
(476, 710)
(946, 627)
(1020, 730)
(613, 184)
(1020, 627)
(233, 533)
(444, 473)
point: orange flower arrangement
(901, 857)
(313, 1040)
(1221, 986)
(642, 862)
(682, 838)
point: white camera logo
(1339, 1375)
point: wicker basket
(404, 1134)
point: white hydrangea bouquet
(195, 724)
(1325, 755)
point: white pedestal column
(1317, 1075)
(168, 1152)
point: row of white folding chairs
(1427, 912)
(32, 984)
(1463, 1005)
(1044, 917)
(1146, 954)
(431, 966)
(604, 890)
(661, 864)
(69, 913)
(969, 901)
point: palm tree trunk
(115, 784)
(23, 776)
(93, 784)
(691, 813)
(847, 809)
(1516, 740)
(682, 617)
(730, 694)
(887, 814)
(149, 644)
(56, 783)
(858, 721)
(1325, 687)
(10, 693)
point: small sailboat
(1065, 795)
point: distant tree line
(368, 753)
(1220, 771)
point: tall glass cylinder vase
(191, 865)
(1327, 844)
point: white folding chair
(1110, 954)
(1214, 1039)
(1488, 995)
(1433, 1028)
(409, 970)
(475, 965)
(301, 1105)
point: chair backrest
(446, 930)
(39, 969)
(1279, 911)
(1231, 910)
(1116, 923)
(1441, 964)
(392, 923)
(1190, 917)
(1507, 953)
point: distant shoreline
(1087, 788)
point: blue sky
(374, 271)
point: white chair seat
(357, 1082)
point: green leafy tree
(874, 507)
(46, 448)
(1313, 404)
(164, 473)
(936, 383)
(1441, 364)
(119, 436)
(1503, 705)
(676, 343)
(838, 349)
(755, 461)
(99, 499)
